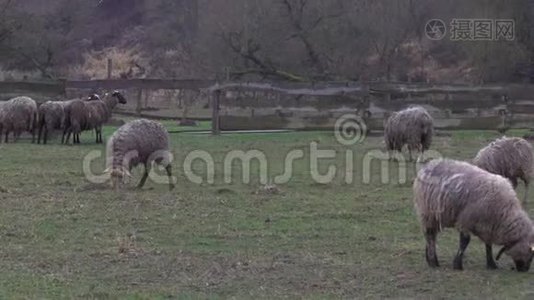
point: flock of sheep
(476, 197)
(22, 114)
(132, 144)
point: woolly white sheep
(412, 127)
(138, 142)
(450, 193)
(18, 115)
(512, 158)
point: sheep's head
(521, 252)
(119, 96)
(118, 176)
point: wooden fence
(158, 98)
(256, 106)
(308, 106)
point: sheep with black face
(90, 114)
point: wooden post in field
(110, 68)
(215, 121)
(139, 101)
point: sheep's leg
(431, 256)
(39, 134)
(145, 176)
(66, 134)
(45, 138)
(168, 168)
(514, 182)
(490, 263)
(465, 238)
(33, 127)
(99, 136)
(32, 131)
(115, 182)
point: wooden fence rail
(145, 84)
(493, 107)
(260, 105)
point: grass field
(64, 237)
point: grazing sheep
(450, 193)
(412, 126)
(18, 115)
(512, 158)
(51, 117)
(90, 114)
(138, 142)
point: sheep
(19, 114)
(449, 193)
(138, 142)
(412, 126)
(3, 104)
(51, 117)
(100, 111)
(87, 115)
(512, 158)
(75, 119)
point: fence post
(139, 101)
(110, 68)
(215, 121)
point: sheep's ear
(108, 170)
